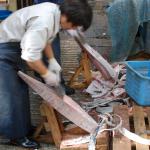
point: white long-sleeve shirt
(34, 27)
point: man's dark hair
(78, 12)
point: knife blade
(60, 91)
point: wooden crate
(58, 134)
(137, 121)
(102, 142)
(72, 132)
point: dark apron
(14, 97)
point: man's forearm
(48, 51)
(38, 66)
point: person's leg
(15, 121)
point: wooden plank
(139, 125)
(74, 129)
(103, 138)
(148, 114)
(45, 139)
(52, 121)
(43, 114)
(148, 117)
(86, 68)
(58, 116)
(79, 146)
(38, 130)
(120, 142)
(83, 147)
(75, 76)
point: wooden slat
(45, 139)
(83, 147)
(86, 68)
(148, 114)
(148, 117)
(80, 146)
(53, 123)
(38, 130)
(120, 142)
(58, 116)
(44, 120)
(139, 125)
(103, 138)
(74, 129)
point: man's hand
(54, 67)
(51, 78)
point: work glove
(51, 78)
(54, 67)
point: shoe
(25, 143)
(68, 90)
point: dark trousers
(14, 98)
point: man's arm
(49, 77)
(48, 51)
(53, 64)
(38, 66)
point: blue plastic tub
(138, 81)
(4, 14)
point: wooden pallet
(137, 121)
(57, 134)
